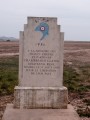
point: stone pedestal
(41, 65)
(40, 97)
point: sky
(73, 16)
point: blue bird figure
(43, 28)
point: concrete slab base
(40, 114)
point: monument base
(40, 97)
(40, 114)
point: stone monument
(41, 66)
(40, 74)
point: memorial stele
(41, 66)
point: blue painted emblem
(43, 28)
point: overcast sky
(73, 16)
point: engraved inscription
(41, 62)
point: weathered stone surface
(41, 53)
(40, 114)
(40, 97)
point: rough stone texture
(41, 65)
(40, 114)
(40, 97)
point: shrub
(8, 75)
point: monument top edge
(32, 17)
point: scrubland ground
(76, 74)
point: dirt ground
(77, 52)
(74, 53)
(9, 47)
